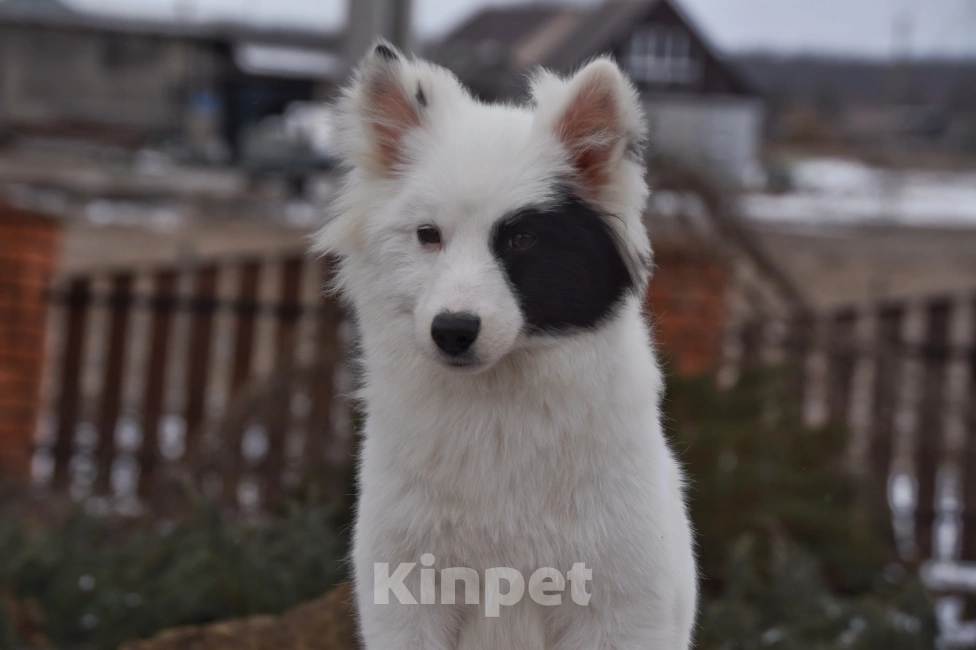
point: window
(661, 55)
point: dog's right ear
(382, 106)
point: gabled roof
(492, 51)
(557, 34)
(598, 31)
(507, 25)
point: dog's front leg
(393, 615)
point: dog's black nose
(454, 333)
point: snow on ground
(832, 191)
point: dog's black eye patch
(562, 263)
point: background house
(199, 86)
(700, 109)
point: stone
(324, 624)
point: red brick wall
(29, 249)
(686, 299)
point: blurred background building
(140, 83)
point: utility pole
(902, 31)
(401, 33)
(369, 19)
(183, 9)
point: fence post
(198, 361)
(968, 464)
(78, 299)
(111, 399)
(279, 421)
(246, 312)
(841, 358)
(887, 382)
(246, 309)
(799, 340)
(323, 379)
(29, 253)
(929, 433)
(163, 303)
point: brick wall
(29, 249)
(687, 300)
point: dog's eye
(521, 240)
(429, 235)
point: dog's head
(468, 230)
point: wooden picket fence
(230, 371)
(901, 376)
(151, 367)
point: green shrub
(792, 557)
(98, 585)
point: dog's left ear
(385, 102)
(596, 116)
(382, 115)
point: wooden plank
(842, 357)
(198, 362)
(279, 417)
(78, 301)
(246, 314)
(929, 447)
(888, 373)
(111, 399)
(968, 465)
(322, 381)
(245, 326)
(799, 344)
(163, 304)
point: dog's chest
(503, 480)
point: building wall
(55, 76)
(718, 135)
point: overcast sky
(862, 27)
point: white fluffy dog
(496, 261)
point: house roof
(555, 36)
(513, 39)
(506, 25)
(598, 31)
(55, 14)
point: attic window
(661, 54)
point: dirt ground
(834, 265)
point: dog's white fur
(551, 451)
